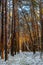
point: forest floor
(23, 58)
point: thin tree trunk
(6, 57)
(2, 44)
(41, 20)
(12, 49)
(13, 43)
(33, 25)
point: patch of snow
(23, 58)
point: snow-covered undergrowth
(25, 58)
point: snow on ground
(25, 58)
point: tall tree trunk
(34, 22)
(41, 20)
(17, 25)
(2, 44)
(13, 43)
(6, 30)
(12, 49)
